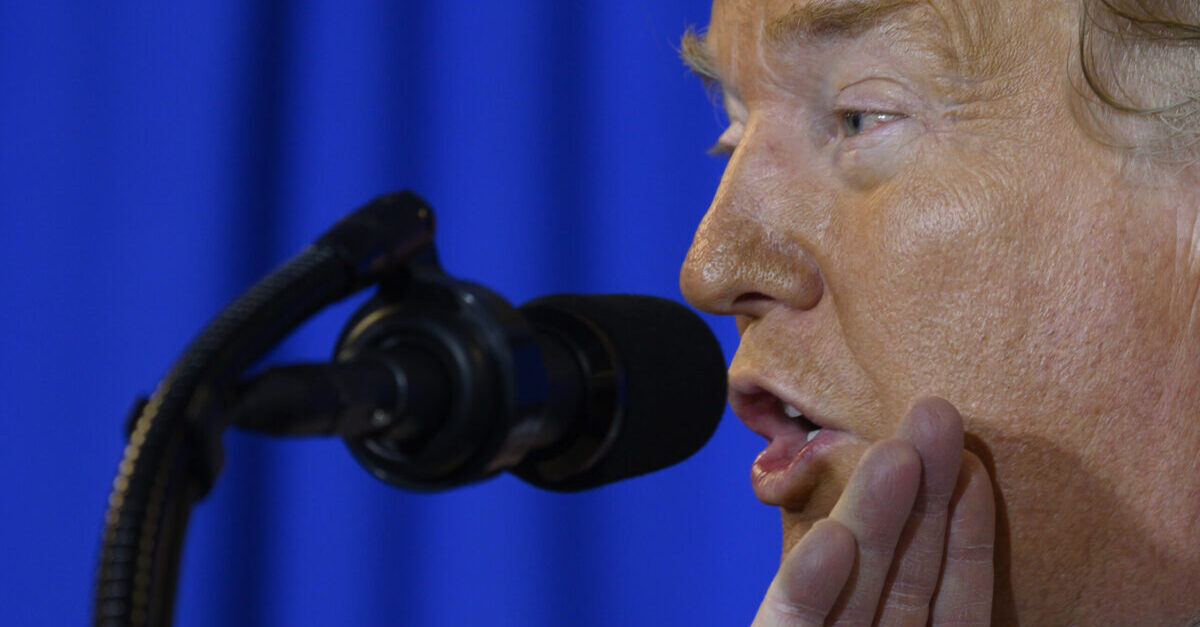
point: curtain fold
(156, 159)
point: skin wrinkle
(732, 65)
(866, 352)
(760, 50)
(1187, 265)
(979, 39)
(999, 260)
(871, 378)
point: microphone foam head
(673, 379)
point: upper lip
(760, 406)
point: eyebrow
(819, 19)
(830, 18)
(699, 57)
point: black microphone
(434, 383)
(652, 401)
(450, 385)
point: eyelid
(728, 140)
(881, 118)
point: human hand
(909, 542)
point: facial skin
(910, 209)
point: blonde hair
(1140, 66)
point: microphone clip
(469, 378)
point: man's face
(911, 209)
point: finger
(874, 507)
(964, 595)
(935, 429)
(809, 579)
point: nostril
(752, 303)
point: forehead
(812, 15)
(779, 19)
(973, 35)
(739, 26)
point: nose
(747, 255)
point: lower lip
(786, 460)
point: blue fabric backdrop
(156, 158)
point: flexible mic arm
(174, 450)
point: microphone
(450, 385)
(656, 397)
(434, 383)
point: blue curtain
(157, 158)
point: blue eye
(852, 123)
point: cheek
(932, 273)
(1025, 305)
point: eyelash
(847, 118)
(724, 148)
(721, 149)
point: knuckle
(970, 553)
(904, 594)
(921, 558)
(918, 570)
(856, 616)
(966, 614)
(906, 602)
(932, 504)
(901, 615)
(793, 609)
(876, 539)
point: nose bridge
(746, 252)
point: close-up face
(912, 208)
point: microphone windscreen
(674, 383)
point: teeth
(812, 434)
(791, 412)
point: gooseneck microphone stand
(434, 383)
(174, 450)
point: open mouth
(796, 443)
(809, 426)
(786, 428)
